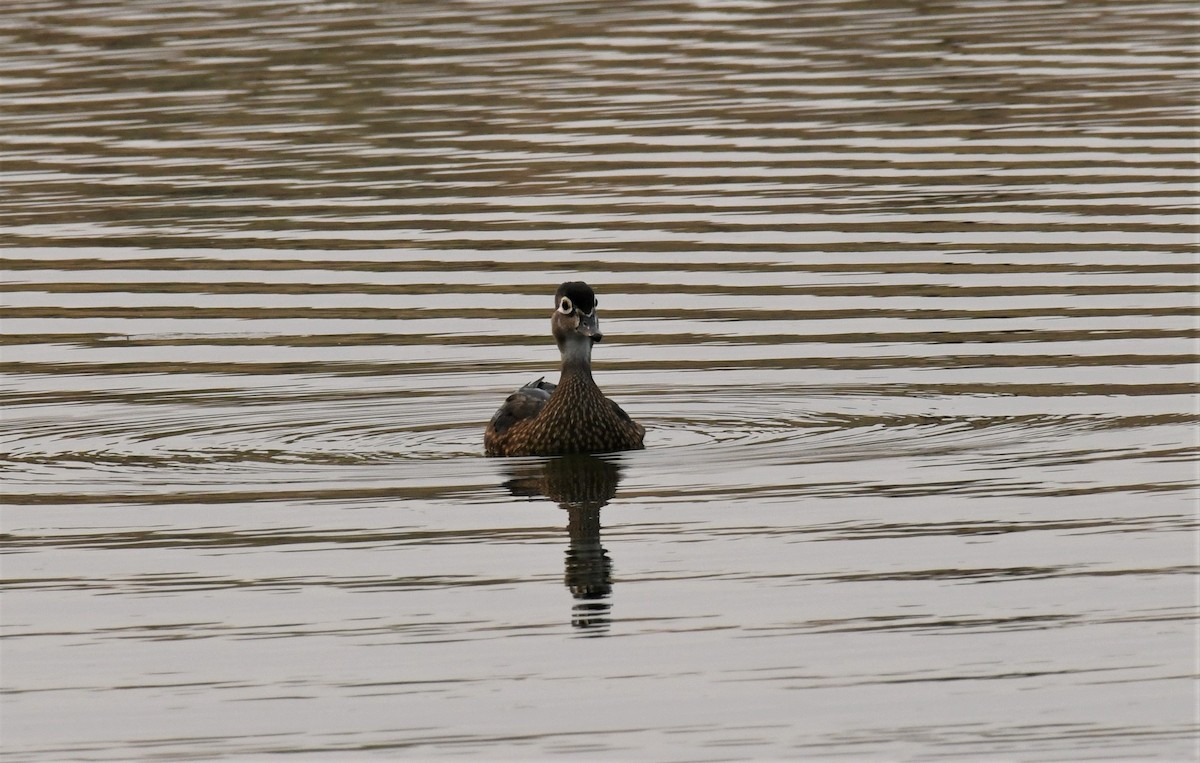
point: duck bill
(589, 326)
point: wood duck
(574, 416)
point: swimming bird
(574, 416)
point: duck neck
(577, 360)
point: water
(904, 296)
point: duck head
(574, 324)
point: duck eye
(565, 307)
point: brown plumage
(574, 416)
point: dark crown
(580, 294)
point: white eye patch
(565, 307)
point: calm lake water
(904, 294)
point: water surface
(904, 295)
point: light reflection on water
(904, 297)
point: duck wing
(520, 405)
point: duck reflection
(581, 484)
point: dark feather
(522, 404)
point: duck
(573, 416)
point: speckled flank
(575, 417)
(578, 418)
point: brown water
(903, 293)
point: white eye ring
(565, 306)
